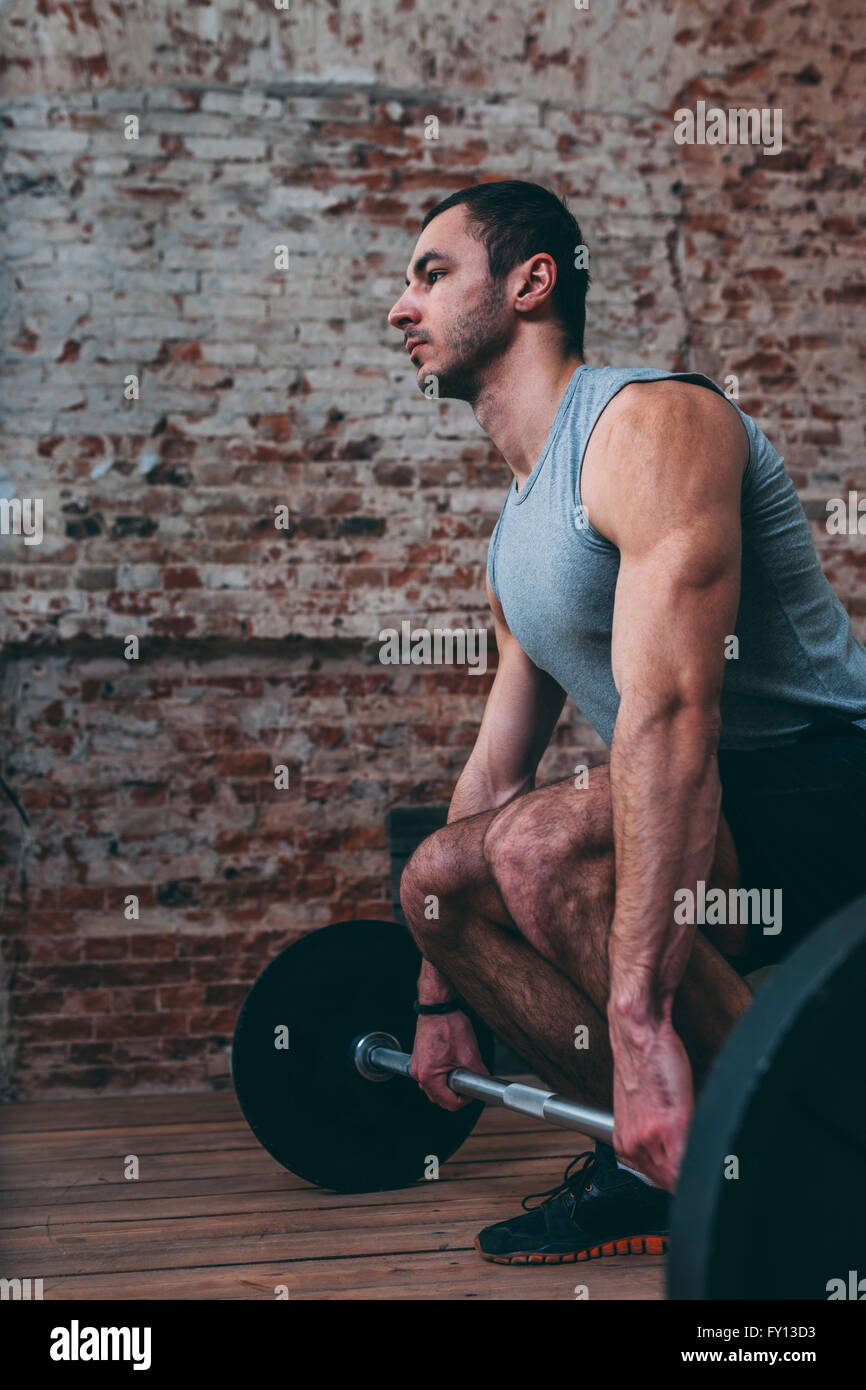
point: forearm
(476, 791)
(666, 799)
(433, 986)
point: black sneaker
(598, 1210)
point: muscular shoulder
(680, 404)
(673, 409)
(662, 441)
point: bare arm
(520, 715)
(667, 493)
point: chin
(425, 369)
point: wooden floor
(213, 1216)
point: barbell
(378, 1057)
(770, 1201)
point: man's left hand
(653, 1100)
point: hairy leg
(475, 943)
(551, 856)
(525, 896)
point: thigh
(557, 841)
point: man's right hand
(443, 1042)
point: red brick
(151, 1025)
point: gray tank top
(555, 577)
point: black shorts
(798, 817)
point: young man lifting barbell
(652, 561)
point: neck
(517, 404)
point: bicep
(675, 605)
(673, 501)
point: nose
(402, 315)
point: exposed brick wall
(261, 388)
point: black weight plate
(308, 1105)
(787, 1097)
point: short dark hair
(515, 220)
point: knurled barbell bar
(770, 1201)
(378, 1058)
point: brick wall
(261, 388)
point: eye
(436, 272)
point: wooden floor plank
(142, 1111)
(148, 1144)
(156, 1168)
(439, 1275)
(497, 1120)
(451, 1223)
(224, 1197)
(95, 1111)
(214, 1216)
(249, 1192)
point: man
(652, 561)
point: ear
(537, 282)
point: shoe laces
(571, 1180)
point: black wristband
(450, 1006)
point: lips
(412, 344)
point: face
(452, 310)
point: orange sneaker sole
(626, 1245)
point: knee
(427, 884)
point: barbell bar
(376, 1052)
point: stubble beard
(475, 340)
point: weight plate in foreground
(307, 1104)
(787, 1099)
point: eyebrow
(423, 261)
